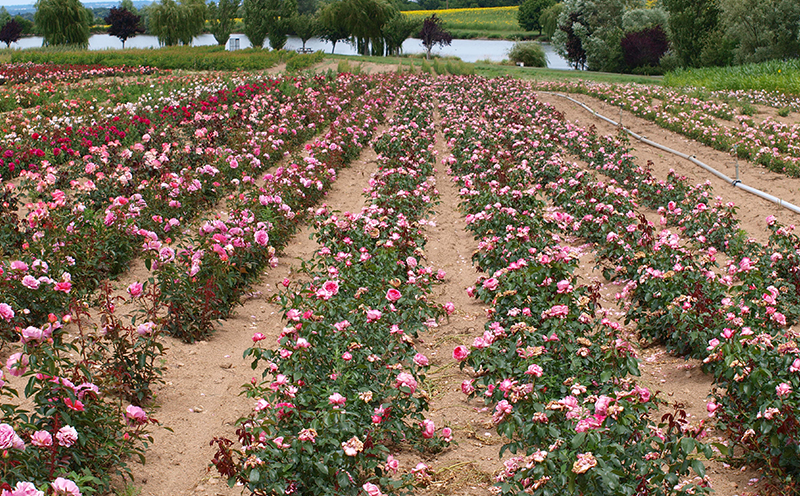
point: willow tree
(62, 22)
(174, 23)
(365, 20)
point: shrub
(530, 54)
(645, 47)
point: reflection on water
(467, 50)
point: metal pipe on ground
(733, 182)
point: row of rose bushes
(558, 374)
(80, 382)
(343, 388)
(735, 317)
(770, 143)
(29, 71)
(202, 274)
(92, 215)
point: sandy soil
(200, 398)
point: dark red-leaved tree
(645, 47)
(123, 24)
(10, 32)
(432, 34)
(576, 54)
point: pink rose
(404, 379)
(19, 265)
(783, 389)
(23, 489)
(9, 438)
(261, 237)
(6, 312)
(258, 337)
(17, 364)
(30, 282)
(534, 370)
(67, 436)
(135, 414)
(393, 295)
(373, 315)
(64, 487)
(795, 366)
(467, 387)
(711, 408)
(460, 353)
(491, 284)
(421, 360)
(428, 428)
(336, 400)
(41, 439)
(411, 262)
(135, 289)
(449, 307)
(392, 464)
(31, 333)
(447, 434)
(371, 489)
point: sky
(29, 3)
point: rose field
(328, 283)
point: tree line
(374, 27)
(654, 36)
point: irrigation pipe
(733, 182)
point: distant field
(495, 19)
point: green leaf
(255, 476)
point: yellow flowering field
(487, 19)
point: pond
(467, 50)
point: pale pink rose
(336, 400)
(145, 329)
(404, 379)
(584, 462)
(449, 307)
(373, 315)
(371, 489)
(392, 464)
(307, 435)
(17, 364)
(795, 366)
(331, 287)
(31, 333)
(770, 220)
(447, 434)
(7, 437)
(19, 265)
(352, 446)
(23, 489)
(279, 442)
(135, 414)
(441, 274)
(711, 408)
(602, 404)
(135, 289)
(428, 428)
(420, 471)
(421, 360)
(467, 387)
(491, 284)
(411, 262)
(64, 487)
(67, 436)
(6, 312)
(783, 389)
(534, 370)
(393, 295)
(41, 439)
(471, 291)
(30, 282)
(460, 353)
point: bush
(645, 47)
(530, 54)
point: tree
(432, 34)
(62, 22)
(221, 19)
(589, 34)
(529, 13)
(10, 32)
(549, 20)
(255, 25)
(123, 24)
(25, 24)
(278, 16)
(305, 27)
(331, 24)
(364, 20)
(128, 5)
(173, 23)
(397, 30)
(691, 23)
(764, 29)
(644, 48)
(4, 16)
